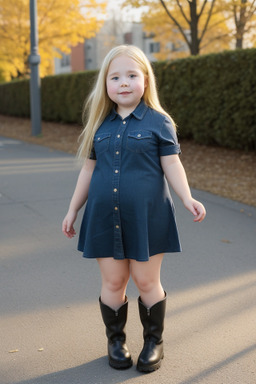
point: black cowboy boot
(118, 354)
(152, 320)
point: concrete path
(50, 326)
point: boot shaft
(152, 320)
(114, 320)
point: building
(90, 54)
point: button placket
(118, 242)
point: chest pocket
(139, 141)
(101, 142)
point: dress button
(118, 136)
(124, 122)
(139, 135)
(117, 152)
(116, 208)
(117, 226)
(98, 138)
(116, 171)
(115, 190)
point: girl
(130, 148)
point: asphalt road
(50, 325)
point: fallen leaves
(17, 350)
(225, 241)
(224, 172)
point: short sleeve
(93, 154)
(168, 142)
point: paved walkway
(50, 325)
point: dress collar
(138, 113)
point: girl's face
(125, 83)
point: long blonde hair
(99, 105)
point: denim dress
(129, 213)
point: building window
(154, 47)
(65, 60)
(128, 38)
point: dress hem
(179, 250)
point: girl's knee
(115, 283)
(147, 276)
(114, 274)
(144, 283)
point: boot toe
(151, 357)
(119, 356)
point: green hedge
(62, 97)
(212, 98)
(14, 98)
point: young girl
(130, 148)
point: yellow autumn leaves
(61, 24)
(186, 27)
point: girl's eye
(132, 76)
(115, 78)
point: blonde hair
(99, 105)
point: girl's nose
(124, 83)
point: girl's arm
(79, 197)
(176, 177)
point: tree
(243, 12)
(61, 24)
(192, 21)
(184, 20)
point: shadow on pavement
(94, 372)
(216, 367)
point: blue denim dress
(129, 213)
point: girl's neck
(125, 112)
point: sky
(127, 15)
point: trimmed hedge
(14, 98)
(62, 97)
(212, 98)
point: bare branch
(176, 23)
(220, 37)
(182, 11)
(252, 9)
(207, 21)
(202, 9)
(219, 22)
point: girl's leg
(114, 307)
(146, 276)
(114, 276)
(152, 303)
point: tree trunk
(194, 46)
(240, 25)
(239, 42)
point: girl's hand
(67, 224)
(196, 208)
